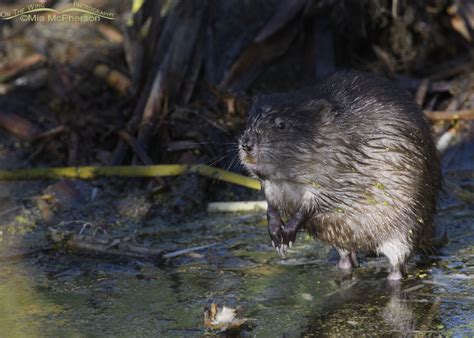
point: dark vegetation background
(171, 81)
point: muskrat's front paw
(289, 236)
(276, 239)
(279, 241)
(274, 230)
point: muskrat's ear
(322, 110)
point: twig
(114, 78)
(413, 288)
(10, 69)
(90, 243)
(421, 92)
(153, 108)
(236, 206)
(395, 8)
(110, 33)
(92, 172)
(467, 115)
(188, 250)
(52, 132)
(18, 126)
(117, 246)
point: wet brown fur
(357, 154)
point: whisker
(218, 178)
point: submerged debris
(222, 318)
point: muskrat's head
(279, 129)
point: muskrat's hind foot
(347, 260)
(396, 272)
(395, 275)
(397, 252)
(344, 263)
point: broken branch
(91, 172)
(466, 115)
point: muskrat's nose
(246, 144)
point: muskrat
(352, 160)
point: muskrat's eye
(279, 123)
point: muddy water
(69, 295)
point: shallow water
(303, 294)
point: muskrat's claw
(279, 248)
(282, 239)
(278, 242)
(289, 236)
(275, 233)
(282, 249)
(276, 239)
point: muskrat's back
(385, 169)
(354, 158)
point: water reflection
(367, 305)
(303, 294)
